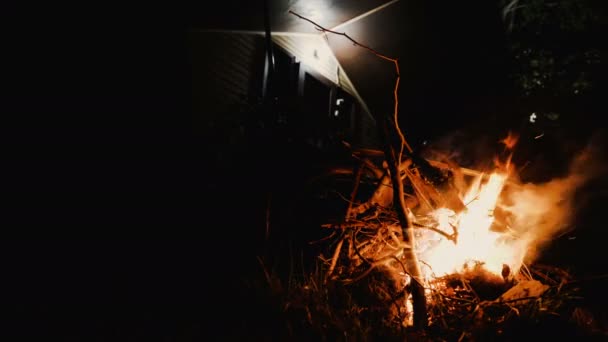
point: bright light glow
(533, 118)
(316, 10)
(339, 101)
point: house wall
(227, 75)
(228, 83)
(316, 55)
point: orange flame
(476, 242)
(510, 141)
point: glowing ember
(475, 241)
(510, 140)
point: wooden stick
(353, 194)
(334, 259)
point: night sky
(114, 223)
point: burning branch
(394, 163)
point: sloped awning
(301, 38)
(450, 53)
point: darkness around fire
(120, 221)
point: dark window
(286, 85)
(316, 96)
(315, 102)
(286, 74)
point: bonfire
(439, 247)
(475, 232)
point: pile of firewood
(371, 235)
(367, 255)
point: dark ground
(115, 224)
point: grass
(303, 307)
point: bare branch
(395, 61)
(438, 231)
(394, 162)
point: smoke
(540, 212)
(460, 148)
(536, 212)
